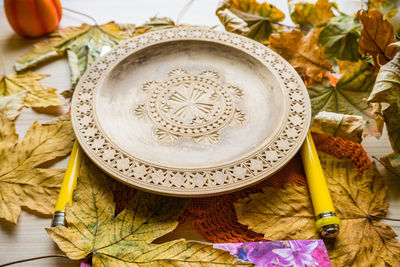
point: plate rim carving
(210, 181)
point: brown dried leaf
(359, 202)
(376, 36)
(303, 52)
(22, 182)
(348, 127)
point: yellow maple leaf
(22, 182)
(303, 52)
(28, 88)
(127, 239)
(309, 15)
(359, 202)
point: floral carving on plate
(195, 106)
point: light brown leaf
(12, 104)
(303, 52)
(22, 182)
(359, 202)
(36, 94)
(348, 127)
(376, 36)
(232, 23)
(126, 239)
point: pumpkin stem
(82, 14)
(3, 63)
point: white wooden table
(28, 238)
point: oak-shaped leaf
(259, 18)
(127, 239)
(359, 201)
(377, 37)
(303, 52)
(308, 15)
(83, 45)
(348, 96)
(23, 183)
(340, 38)
(25, 89)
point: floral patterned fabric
(297, 253)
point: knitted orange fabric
(215, 217)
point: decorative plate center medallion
(193, 106)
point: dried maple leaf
(303, 52)
(348, 96)
(259, 17)
(12, 104)
(83, 45)
(359, 202)
(26, 86)
(22, 182)
(377, 35)
(308, 15)
(126, 239)
(348, 127)
(340, 38)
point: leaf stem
(387, 168)
(382, 218)
(82, 14)
(33, 259)
(183, 11)
(3, 63)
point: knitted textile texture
(215, 217)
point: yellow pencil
(68, 185)
(327, 221)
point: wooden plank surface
(28, 238)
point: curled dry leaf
(359, 202)
(155, 24)
(348, 96)
(308, 15)
(259, 17)
(232, 23)
(387, 90)
(26, 84)
(377, 35)
(12, 104)
(303, 52)
(340, 38)
(83, 45)
(22, 182)
(348, 127)
(126, 239)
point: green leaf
(83, 45)
(127, 239)
(340, 39)
(348, 96)
(260, 18)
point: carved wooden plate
(190, 112)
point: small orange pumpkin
(33, 18)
